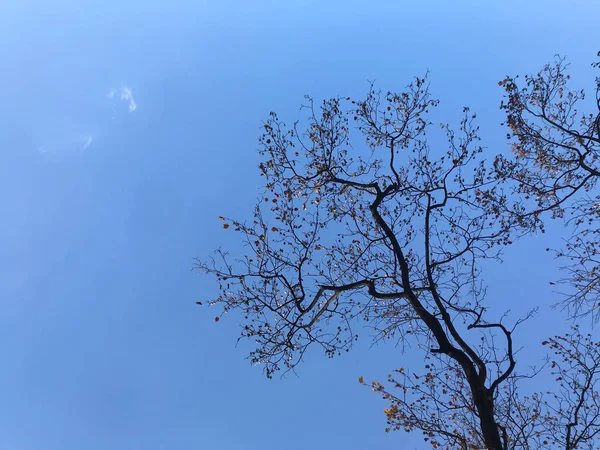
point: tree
(362, 222)
(556, 161)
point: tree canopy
(363, 222)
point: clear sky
(128, 127)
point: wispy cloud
(66, 135)
(67, 144)
(87, 143)
(126, 94)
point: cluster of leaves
(362, 223)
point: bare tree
(361, 222)
(437, 402)
(556, 162)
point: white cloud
(66, 144)
(87, 143)
(65, 135)
(126, 94)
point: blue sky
(105, 208)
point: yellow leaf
(225, 225)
